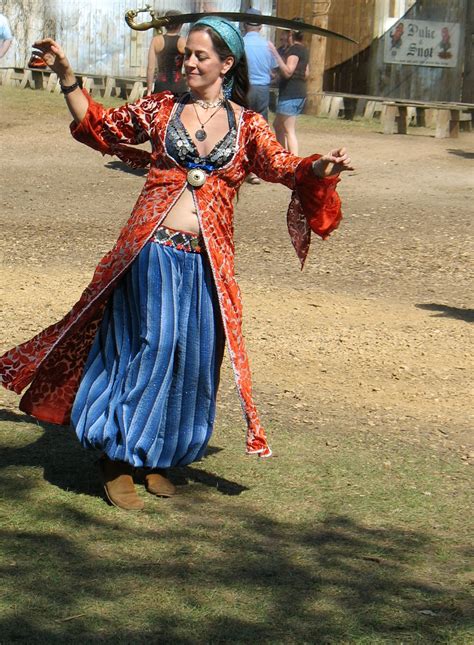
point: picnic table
(396, 114)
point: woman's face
(202, 65)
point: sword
(158, 22)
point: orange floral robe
(52, 362)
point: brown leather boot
(118, 484)
(157, 484)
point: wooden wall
(353, 18)
(468, 76)
(361, 69)
(98, 41)
(417, 81)
(93, 32)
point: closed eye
(199, 54)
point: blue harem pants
(148, 392)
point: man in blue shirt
(260, 63)
(6, 36)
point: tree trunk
(317, 56)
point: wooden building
(93, 32)
(98, 41)
(366, 68)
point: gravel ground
(373, 337)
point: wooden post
(389, 118)
(317, 57)
(337, 104)
(52, 83)
(442, 124)
(109, 86)
(402, 119)
(137, 91)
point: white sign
(422, 42)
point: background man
(6, 35)
(260, 63)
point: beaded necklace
(201, 133)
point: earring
(227, 86)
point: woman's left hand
(332, 163)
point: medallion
(196, 177)
(200, 134)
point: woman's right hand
(54, 56)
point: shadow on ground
(121, 166)
(204, 572)
(342, 585)
(461, 153)
(445, 311)
(69, 467)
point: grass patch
(48, 104)
(44, 103)
(314, 546)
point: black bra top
(182, 148)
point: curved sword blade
(274, 21)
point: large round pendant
(200, 134)
(196, 177)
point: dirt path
(373, 337)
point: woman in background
(294, 71)
(166, 54)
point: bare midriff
(183, 215)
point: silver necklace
(207, 105)
(201, 133)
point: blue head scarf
(229, 33)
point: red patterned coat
(51, 363)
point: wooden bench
(93, 83)
(127, 88)
(372, 109)
(448, 116)
(348, 106)
(18, 77)
(14, 77)
(396, 114)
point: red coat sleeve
(314, 205)
(110, 130)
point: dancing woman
(134, 366)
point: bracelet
(67, 89)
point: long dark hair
(239, 71)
